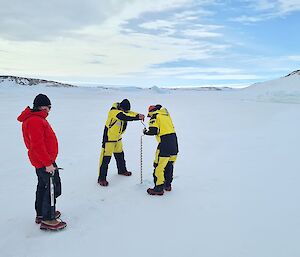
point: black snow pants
(43, 199)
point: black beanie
(125, 105)
(41, 100)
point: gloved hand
(141, 116)
(145, 131)
(50, 169)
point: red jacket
(39, 138)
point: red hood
(28, 113)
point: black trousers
(43, 199)
(120, 161)
(168, 174)
(108, 149)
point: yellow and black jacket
(116, 123)
(162, 127)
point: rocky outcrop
(21, 81)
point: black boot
(157, 190)
(125, 173)
(103, 182)
(168, 188)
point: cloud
(116, 39)
(192, 71)
(221, 77)
(295, 58)
(134, 49)
(183, 23)
(47, 20)
(139, 51)
(187, 28)
(203, 73)
(279, 7)
(158, 24)
(250, 19)
(44, 20)
(267, 9)
(191, 15)
(194, 33)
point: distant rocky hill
(202, 88)
(21, 81)
(296, 72)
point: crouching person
(115, 126)
(162, 127)
(42, 145)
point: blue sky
(146, 43)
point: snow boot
(39, 219)
(103, 182)
(52, 225)
(125, 173)
(168, 188)
(155, 191)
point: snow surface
(236, 187)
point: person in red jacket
(42, 145)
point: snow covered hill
(285, 89)
(10, 81)
(21, 81)
(288, 83)
(236, 185)
(296, 72)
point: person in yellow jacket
(161, 125)
(115, 126)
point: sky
(167, 43)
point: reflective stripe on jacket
(114, 127)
